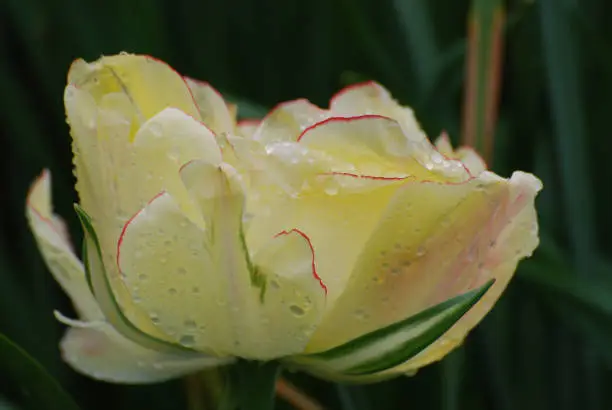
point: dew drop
(172, 291)
(167, 242)
(190, 324)
(187, 340)
(195, 290)
(421, 251)
(181, 270)
(154, 317)
(360, 314)
(296, 310)
(156, 129)
(142, 276)
(331, 190)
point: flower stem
(253, 384)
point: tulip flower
(337, 241)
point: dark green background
(547, 344)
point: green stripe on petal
(101, 288)
(390, 346)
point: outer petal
(217, 299)
(56, 250)
(100, 352)
(431, 244)
(288, 120)
(97, 351)
(151, 85)
(516, 241)
(375, 145)
(115, 178)
(213, 109)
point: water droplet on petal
(296, 310)
(360, 314)
(187, 340)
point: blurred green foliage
(547, 344)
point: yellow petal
(371, 98)
(378, 146)
(430, 244)
(213, 109)
(470, 158)
(472, 161)
(293, 301)
(167, 266)
(115, 177)
(200, 284)
(56, 249)
(444, 146)
(516, 240)
(288, 120)
(100, 352)
(150, 84)
(338, 223)
(247, 128)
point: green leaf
(38, 389)
(390, 346)
(103, 292)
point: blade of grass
(420, 37)
(452, 375)
(38, 390)
(486, 23)
(562, 58)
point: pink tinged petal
(288, 120)
(214, 111)
(444, 146)
(472, 161)
(377, 146)
(56, 250)
(100, 352)
(430, 244)
(517, 240)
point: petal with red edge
(56, 250)
(377, 146)
(150, 84)
(213, 109)
(430, 245)
(288, 120)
